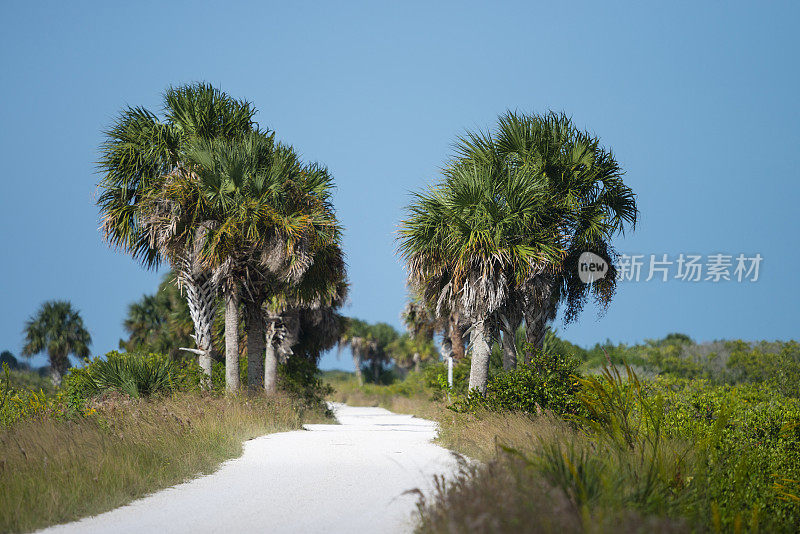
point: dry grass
(55, 471)
(535, 473)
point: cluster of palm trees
(496, 241)
(375, 346)
(236, 214)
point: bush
(548, 382)
(661, 455)
(136, 375)
(300, 378)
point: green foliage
(300, 378)
(777, 365)
(161, 323)
(21, 403)
(57, 329)
(435, 377)
(6, 357)
(27, 380)
(136, 375)
(747, 440)
(548, 382)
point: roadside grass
(665, 455)
(55, 469)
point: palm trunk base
(479, 369)
(231, 341)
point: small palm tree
(58, 330)
(160, 322)
(358, 338)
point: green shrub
(136, 375)
(300, 378)
(435, 378)
(548, 382)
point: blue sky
(697, 100)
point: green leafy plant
(548, 382)
(136, 375)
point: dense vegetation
(123, 426)
(609, 449)
(668, 435)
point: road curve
(344, 478)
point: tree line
(252, 239)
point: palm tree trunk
(479, 370)
(376, 370)
(254, 323)
(58, 367)
(538, 316)
(357, 365)
(535, 329)
(271, 363)
(201, 299)
(232, 340)
(456, 338)
(509, 351)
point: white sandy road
(347, 478)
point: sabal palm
(358, 338)
(586, 181)
(421, 323)
(312, 302)
(160, 322)
(259, 215)
(139, 151)
(368, 343)
(57, 329)
(470, 241)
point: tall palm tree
(586, 181)
(472, 239)
(257, 214)
(140, 150)
(57, 329)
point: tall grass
(662, 455)
(55, 470)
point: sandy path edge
(350, 477)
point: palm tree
(57, 329)
(257, 215)
(140, 150)
(307, 311)
(417, 345)
(160, 322)
(382, 336)
(470, 241)
(408, 351)
(358, 338)
(586, 180)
